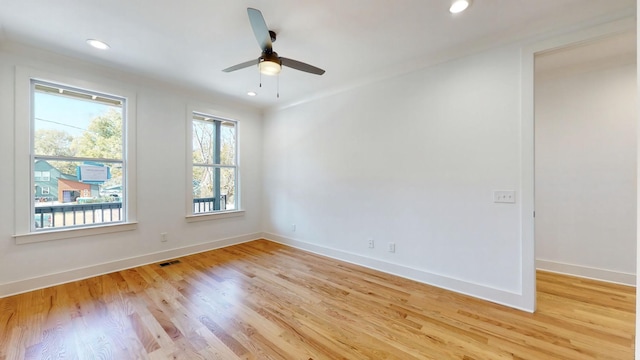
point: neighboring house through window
(78, 149)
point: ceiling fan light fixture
(269, 67)
(458, 6)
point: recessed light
(98, 44)
(458, 6)
(252, 93)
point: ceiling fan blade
(260, 29)
(298, 65)
(242, 65)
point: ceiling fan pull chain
(278, 87)
(260, 79)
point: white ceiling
(189, 42)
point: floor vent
(169, 263)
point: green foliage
(103, 138)
(53, 143)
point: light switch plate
(504, 196)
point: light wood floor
(262, 300)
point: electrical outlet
(293, 227)
(371, 244)
(392, 247)
(163, 237)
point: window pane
(71, 127)
(71, 124)
(214, 141)
(228, 187)
(202, 182)
(213, 189)
(205, 197)
(228, 143)
(203, 142)
(68, 199)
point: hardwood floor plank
(262, 300)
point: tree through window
(215, 170)
(78, 156)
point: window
(78, 150)
(214, 157)
(42, 175)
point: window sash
(214, 164)
(83, 95)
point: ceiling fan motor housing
(270, 56)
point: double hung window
(214, 164)
(78, 157)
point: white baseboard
(503, 297)
(44, 281)
(587, 272)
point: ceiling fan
(269, 62)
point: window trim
(221, 214)
(24, 132)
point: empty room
(441, 179)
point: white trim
(611, 276)
(22, 143)
(527, 166)
(69, 233)
(214, 216)
(40, 282)
(494, 295)
(637, 332)
(527, 140)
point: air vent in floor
(169, 263)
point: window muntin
(77, 147)
(214, 164)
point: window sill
(214, 216)
(49, 235)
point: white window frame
(23, 200)
(45, 190)
(220, 214)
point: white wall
(411, 160)
(161, 117)
(586, 167)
